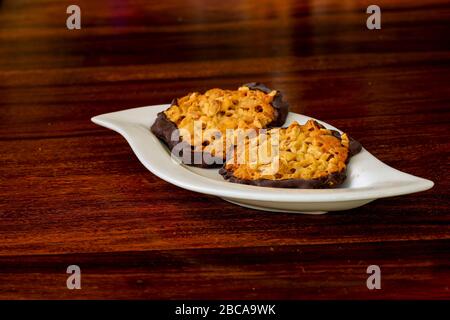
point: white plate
(367, 177)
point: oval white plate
(367, 177)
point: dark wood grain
(74, 193)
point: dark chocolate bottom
(330, 181)
(168, 132)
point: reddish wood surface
(74, 193)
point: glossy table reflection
(74, 193)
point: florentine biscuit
(252, 106)
(303, 156)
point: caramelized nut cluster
(218, 110)
(306, 152)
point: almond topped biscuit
(195, 126)
(299, 156)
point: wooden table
(74, 193)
